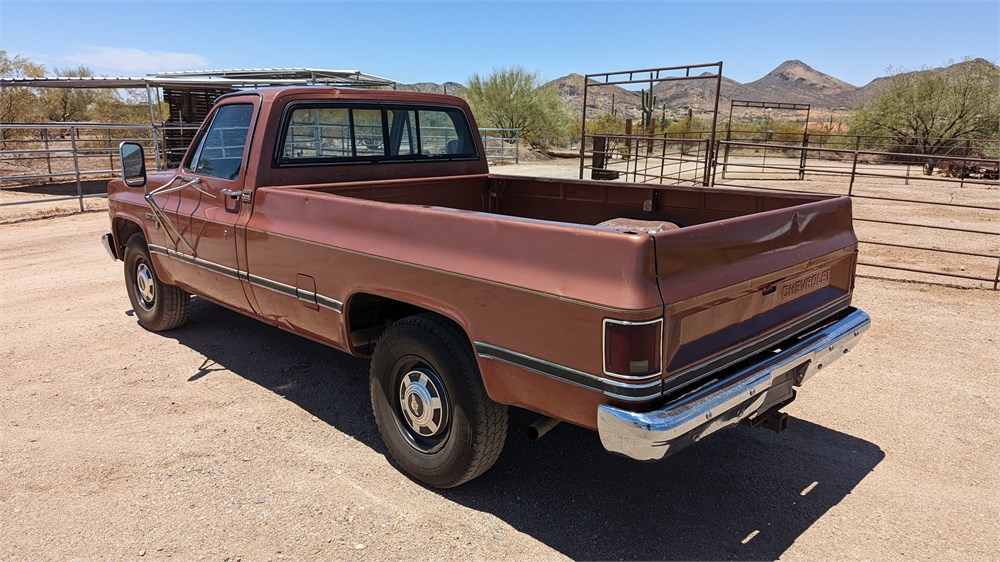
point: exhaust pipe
(541, 426)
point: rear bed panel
(730, 283)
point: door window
(221, 148)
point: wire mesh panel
(680, 161)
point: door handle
(232, 193)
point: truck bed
(744, 269)
(578, 202)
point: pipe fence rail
(501, 145)
(885, 172)
(34, 154)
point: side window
(220, 151)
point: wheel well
(369, 315)
(124, 229)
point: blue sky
(437, 41)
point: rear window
(335, 133)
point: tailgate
(733, 287)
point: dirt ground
(229, 439)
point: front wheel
(430, 405)
(158, 306)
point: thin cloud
(134, 61)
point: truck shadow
(743, 494)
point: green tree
(18, 105)
(513, 98)
(606, 124)
(121, 106)
(70, 104)
(937, 111)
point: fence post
(802, 158)
(48, 156)
(156, 147)
(854, 169)
(111, 154)
(725, 157)
(907, 180)
(517, 146)
(76, 165)
(663, 156)
(715, 167)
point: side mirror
(133, 164)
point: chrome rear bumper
(108, 242)
(654, 435)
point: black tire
(158, 306)
(445, 443)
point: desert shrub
(513, 98)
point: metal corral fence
(34, 154)
(502, 145)
(648, 159)
(925, 213)
(70, 152)
(927, 229)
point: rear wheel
(430, 405)
(158, 306)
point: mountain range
(792, 81)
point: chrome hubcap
(422, 403)
(144, 285)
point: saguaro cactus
(648, 106)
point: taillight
(632, 348)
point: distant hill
(453, 88)
(859, 96)
(599, 100)
(796, 82)
(792, 81)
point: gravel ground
(229, 439)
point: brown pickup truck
(369, 221)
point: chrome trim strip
(270, 284)
(604, 346)
(202, 263)
(255, 280)
(632, 392)
(327, 302)
(654, 435)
